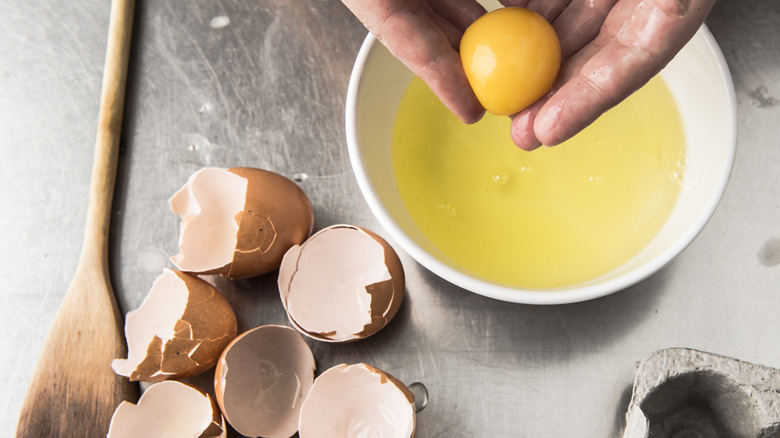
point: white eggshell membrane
(168, 409)
(208, 205)
(357, 401)
(179, 330)
(261, 380)
(344, 283)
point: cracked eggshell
(168, 409)
(342, 284)
(261, 380)
(179, 330)
(357, 400)
(239, 222)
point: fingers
(585, 45)
(517, 3)
(579, 23)
(606, 79)
(522, 128)
(637, 40)
(423, 40)
(549, 9)
(459, 13)
(576, 22)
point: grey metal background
(268, 90)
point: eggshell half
(239, 222)
(357, 400)
(261, 380)
(168, 409)
(179, 330)
(344, 283)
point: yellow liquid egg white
(545, 219)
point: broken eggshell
(342, 284)
(179, 330)
(168, 409)
(357, 400)
(239, 222)
(261, 380)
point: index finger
(421, 37)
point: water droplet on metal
(769, 254)
(420, 396)
(219, 22)
(300, 177)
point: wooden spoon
(74, 391)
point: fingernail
(522, 132)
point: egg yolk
(511, 57)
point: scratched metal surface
(262, 83)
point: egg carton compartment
(685, 393)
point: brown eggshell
(179, 330)
(357, 400)
(239, 222)
(343, 284)
(168, 409)
(261, 380)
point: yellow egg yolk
(511, 57)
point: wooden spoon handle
(109, 128)
(74, 391)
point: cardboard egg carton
(684, 393)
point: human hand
(610, 49)
(425, 35)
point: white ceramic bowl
(701, 84)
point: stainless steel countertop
(267, 89)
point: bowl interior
(700, 82)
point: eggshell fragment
(344, 283)
(168, 409)
(179, 330)
(261, 380)
(239, 222)
(357, 400)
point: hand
(425, 35)
(610, 48)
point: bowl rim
(571, 294)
